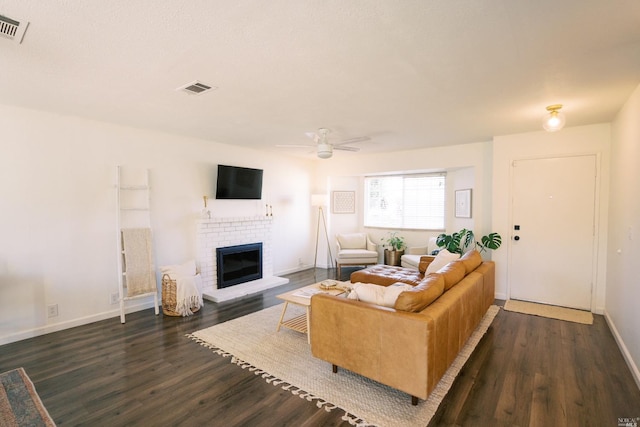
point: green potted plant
(490, 241)
(396, 244)
(461, 241)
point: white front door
(553, 230)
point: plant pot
(392, 257)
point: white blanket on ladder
(140, 276)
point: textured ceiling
(409, 74)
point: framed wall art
(463, 203)
(343, 202)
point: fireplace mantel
(213, 233)
(262, 219)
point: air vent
(196, 88)
(12, 29)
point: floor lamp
(319, 201)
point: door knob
(516, 238)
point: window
(405, 201)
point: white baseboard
(623, 348)
(501, 295)
(47, 329)
(293, 270)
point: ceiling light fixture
(325, 150)
(554, 120)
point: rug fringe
(270, 379)
(440, 390)
(323, 404)
(355, 421)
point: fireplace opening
(239, 264)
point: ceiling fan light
(325, 151)
(554, 120)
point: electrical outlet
(115, 298)
(52, 310)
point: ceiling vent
(196, 88)
(12, 29)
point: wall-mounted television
(239, 183)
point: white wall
(460, 179)
(467, 166)
(57, 219)
(623, 279)
(345, 222)
(593, 139)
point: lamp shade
(554, 120)
(319, 200)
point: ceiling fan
(324, 148)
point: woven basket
(169, 299)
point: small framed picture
(463, 203)
(344, 202)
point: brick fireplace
(217, 233)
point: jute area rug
(550, 311)
(284, 359)
(20, 405)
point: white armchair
(411, 258)
(355, 249)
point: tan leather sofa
(411, 345)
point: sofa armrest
(388, 346)
(425, 260)
(371, 246)
(417, 250)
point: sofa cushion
(419, 297)
(375, 294)
(471, 260)
(443, 258)
(352, 241)
(386, 275)
(452, 273)
(357, 253)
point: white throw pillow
(443, 258)
(375, 294)
(187, 269)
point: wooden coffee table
(302, 297)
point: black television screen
(239, 183)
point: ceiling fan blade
(353, 140)
(295, 145)
(312, 135)
(345, 148)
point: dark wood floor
(526, 371)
